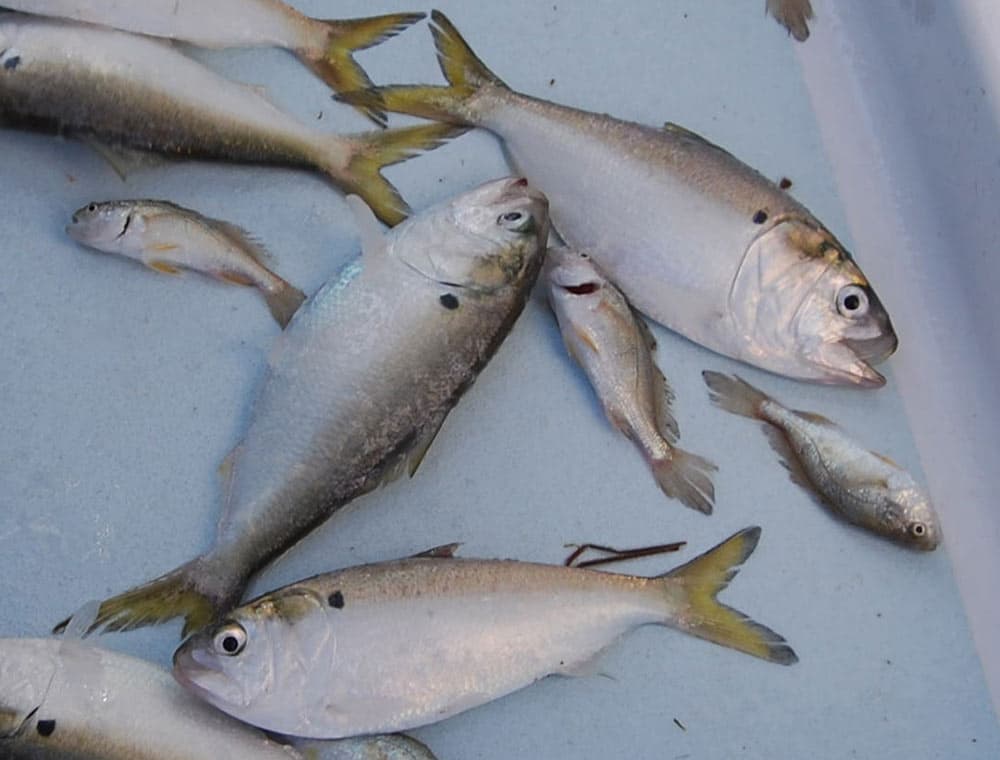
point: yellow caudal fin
(691, 591)
(465, 73)
(170, 596)
(336, 65)
(376, 150)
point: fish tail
(335, 64)
(686, 477)
(691, 591)
(377, 150)
(283, 302)
(793, 15)
(170, 596)
(466, 75)
(734, 394)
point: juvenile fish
(794, 15)
(168, 238)
(614, 347)
(358, 384)
(325, 46)
(64, 699)
(401, 644)
(695, 239)
(863, 487)
(137, 92)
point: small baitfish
(696, 239)
(63, 699)
(863, 487)
(129, 91)
(358, 385)
(168, 238)
(324, 46)
(614, 347)
(396, 645)
(794, 15)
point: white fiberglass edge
(908, 99)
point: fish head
(908, 517)
(806, 310)
(485, 239)
(103, 226)
(253, 665)
(27, 669)
(572, 278)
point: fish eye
(230, 639)
(918, 530)
(92, 208)
(516, 221)
(852, 301)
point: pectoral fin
(163, 267)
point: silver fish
(863, 487)
(358, 385)
(614, 347)
(696, 239)
(794, 15)
(64, 699)
(168, 238)
(325, 46)
(142, 93)
(400, 644)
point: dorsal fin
(677, 129)
(817, 419)
(369, 230)
(445, 551)
(244, 239)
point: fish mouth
(873, 350)
(202, 679)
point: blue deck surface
(121, 391)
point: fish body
(695, 238)
(358, 384)
(865, 488)
(614, 347)
(66, 700)
(168, 238)
(137, 92)
(325, 46)
(794, 15)
(405, 643)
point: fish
(794, 15)
(861, 486)
(168, 238)
(133, 92)
(401, 644)
(358, 384)
(614, 347)
(325, 46)
(696, 239)
(63, 698)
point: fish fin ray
(416, 456)
(699, 582)
(284, 302)
(778, 442)
(246, 240)
(461, 67)
(686, 477)
(336, 65)
(165, 598)
(734, 394)
(445, 551)
(163, 267)
(376, 150)
(815, 418)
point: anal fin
(778, 442)
(163, 267)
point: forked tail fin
(376, 150)
(336, 65)
(734, 394)
(692, 590)
(686, 477)
(465, 73)
(165, 598)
